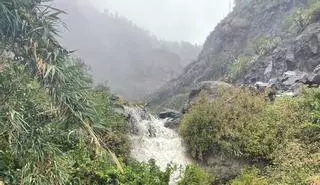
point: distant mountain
(131, 61)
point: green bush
(194, 175)
(249, 176)
(311, 131)
(90, 170)
(240, 122)
(55, 128)
(239, 67)
(56, 151)
(264, 44)
(293, 164)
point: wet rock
(317, 69)
(114, 97)
(152, 131)
(292, 78)
(225, 167)
(120, 110)
(289, 93)
(268, 70)
(261, 85)
(306, 48)
(315, 17)
(172, 123)
(211, 87)
(314, 78)
(169, 113)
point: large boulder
(169, 113)
(172, 123)
(314, 78)
(210, 87)
(293, 61)
(225, 167)
(291, 79)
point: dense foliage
(194, 175)
(243, 123)
(56, 128)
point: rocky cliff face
(262, 43)
(254, 24)
(297, 56)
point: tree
(44, 95)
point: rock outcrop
(295, 60)
(169, 113)
(172, 118)
(210, 87)
(292, 61)
(233, 37)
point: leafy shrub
(239, 67)
(52, 122)
(194, 175)
(54, 150)
(240, 122)
(264, 44)
(146, 173)
(249, 176)
(293, 164)
(101, 171)
(311, 131)
(217, 125)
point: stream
(150, 139)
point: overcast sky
(174, 20)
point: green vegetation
(304, 16)
(301, 17)
(263, 44)
(56, 128)
(249, 176)
(194, 176)
(285, 133)
(177, 102)
(239, 67)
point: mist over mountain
(128, 58)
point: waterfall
(150, 139)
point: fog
(175, 20)
(135, 47)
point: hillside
(249, 105)
(259, 41)
(132, 61)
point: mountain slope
(241, 47)
(128, 58)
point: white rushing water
(152, 140)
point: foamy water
(152, 140)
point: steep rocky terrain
(260, 41)
(261, 44)
(131, 60)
